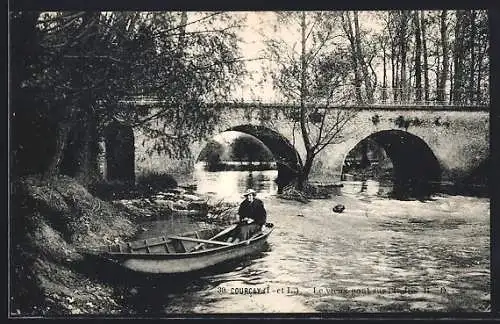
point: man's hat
(250, 191)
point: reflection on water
(379, 255)
(230, 185)
(367, 188)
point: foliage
(212, 154)
(155, 181)
(75, 72)
(212, 148)
(434, 56)
(313, 71)
(406, 56)
(248, 148)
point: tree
(249, 148)
(445, 63)
(469, 45)
(85, 66)
(359, 57)
(449, 46)
(211, 154)
(313, 76)
(418, 55)
(403, 40)
(425, 67)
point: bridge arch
(285, 155)
(416, 170)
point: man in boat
(252, 215)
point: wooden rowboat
(183, 253)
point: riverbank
(50, 219)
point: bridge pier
(457, 138)
(120, 153)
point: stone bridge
(440, 143)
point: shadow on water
(409, 190)
(418, 224)
(144, 294)
(153, 293)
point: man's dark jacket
(254, 210)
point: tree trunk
(458, 59)
(479, 97)
(444, 44)
(80, 159)
(393, 71)
(397, 89)
(60, 146)
(182, 33)
(120, 153)
(392, 43)
(304, 173)
(424, 48)
(83, 153)
(395, 55)
(88, 166)
(483, 46)
(384, 79)
(438, 74)
(361, 59)
(418, 54)
(472, 63)
(346, 23)
(303, 89)
(452, 85)
(403, 48)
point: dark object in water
(338, 208)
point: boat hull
(191, 262)
(177, 263)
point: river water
(379, 255)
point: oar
(183, 238)
(227, 230)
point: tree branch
(70, 19)
(338, 130)
(159, 32)
(205, 31)
(102, 57)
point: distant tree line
(405, 56)
(242, 149)
(439, 55)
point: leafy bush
(155, 181)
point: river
(379, 255)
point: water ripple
(388, 255)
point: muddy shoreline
(50, 219)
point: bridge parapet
(428, 106)
(347, 97)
